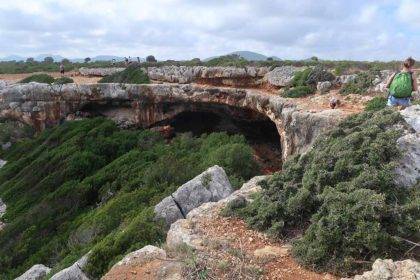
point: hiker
(401, 85)
(62, 69)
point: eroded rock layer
(42, 105)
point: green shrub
(300, 77)
(342, 196)
(299, 91)
(133, 74)
(90, 185)
(63, 80)
(39, 78)
(377, 103)
(360, 84)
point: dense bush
(360, 84)
(89, 185)
(377, 103)
(133, 74)
(63, 80)
(299, 91)
(300, 77)
(39, 78)
(342, 196)
(319, 74)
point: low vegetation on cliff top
(46, 79)
(133, 74)
(341, 195)
(87, 185)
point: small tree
(270, 59)
(314, 58)
(49, 59)
(87, 59)
(151, 58)
(30, 60)
(65, 61)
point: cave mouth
(259, 131)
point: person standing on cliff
(402, 84)
(62, 69)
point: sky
(185, 29)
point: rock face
(211, 185)
(408, 169)
(324, 87)
(281, 76)
(99, 72)
(143, 255)
(74, 272)
(389, 270)
(229, 76)
(36, 272)
(183, 232)
(42, 105)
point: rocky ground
(211, 246)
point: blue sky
(184, 29)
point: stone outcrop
(99, 72)
(229, 76)
(408, 168)
(211, 185)
(42, 105)
(182, 232)
(281, 76)
(74, 272)
(2, 163)
(345, 79)
(324, 87)
(390, 270)
(36, 272)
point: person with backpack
(402, 84)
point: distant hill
(58, 58)
(248, 55)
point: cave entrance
(259, 131)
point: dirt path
(14, 78)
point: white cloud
(178, 29)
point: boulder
(2, 163)
(211, 185)
(2, 208)
(408, 167)
(324, 87)
(345, 79)
(168, 210)
(184, 232)
(74, 272)
(281, 76)
(390, 270)
(269, 252)
(36, 272)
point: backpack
(402, 85)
